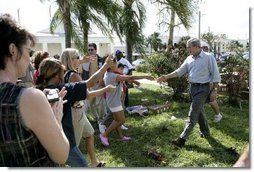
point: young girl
(114, 102)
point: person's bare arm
(99, 74)
(87, 59)
(99, 92)
(135, 82)
(166, 77)
(132, 77)
(244, 160)
(38, 116)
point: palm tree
(130, 25)
(154, 41)
(63, 14)
(209, 38)
(103, 13)
(149, 42)
(76, 16)
(183, 9)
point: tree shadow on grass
(146, 136)
(134, 153)
(238, 118)
(149, 135)
(219, 152)
(233, 123)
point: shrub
(142, 68)
(236, 77)
(164, 63)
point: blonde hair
(48, 69)
(66, 58)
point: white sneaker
(217, 118)
(102, 128)
(123, 127)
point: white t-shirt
(113, 99)
(127, 65)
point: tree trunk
(85, 39)
(172, 25)
(65, 8)
(128, 50)
(67, 31)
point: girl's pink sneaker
(104, 140)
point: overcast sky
(230, 17)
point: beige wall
(38, 47)
(54, 48)
(104, 48)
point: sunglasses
(30, 51)
(90, 49)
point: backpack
(77, 104)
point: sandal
(101, 164)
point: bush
(142, 68)
(236, 77)
(164, 63)
(167, 62)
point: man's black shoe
(204, 135)
(179, 142)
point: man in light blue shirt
(202, 70)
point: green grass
(155, 131)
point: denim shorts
(76, 158)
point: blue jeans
(76, 158)
(196, 114)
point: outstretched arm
(168, 76)
(134, 82)
(99, 74)
(132, 77)
(99, 92)
(87, 59)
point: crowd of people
(89, 83)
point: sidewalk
(146, 81)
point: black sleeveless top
(19, 147)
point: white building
(55, 43)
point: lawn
(155, 132)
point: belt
(199, 84)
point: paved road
(146, 81)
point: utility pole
(18, 16)
(199, 24)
